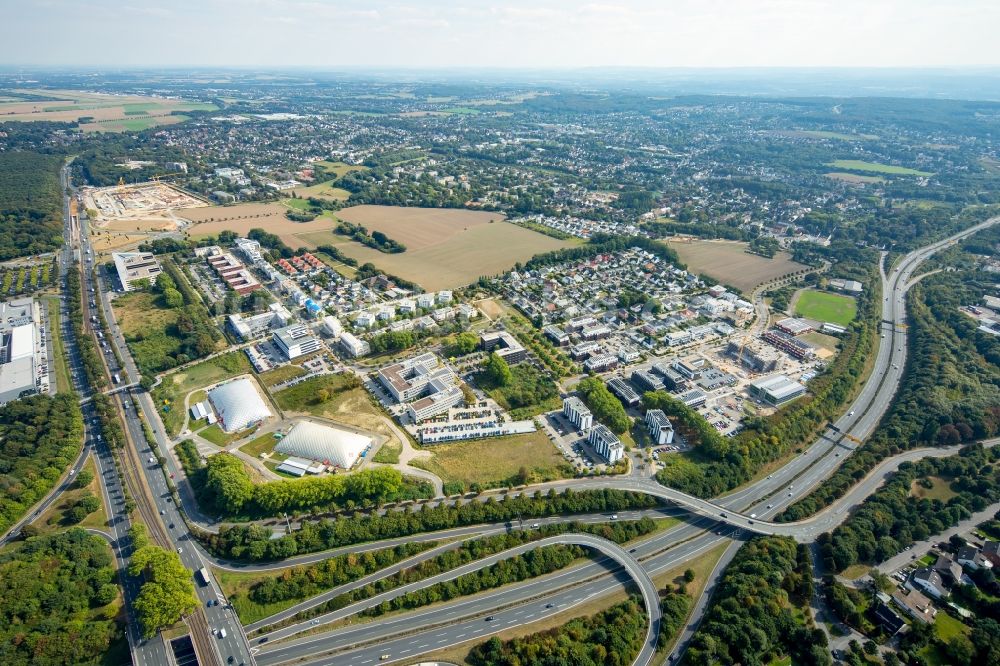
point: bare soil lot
(446, 248)
(244, 217)
(729, 263)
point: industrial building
(776, 390)
(661, 430)
(331, 446)
(578, 413)
(606, 443)
(238, 405)
(295, 340)
(504, 345)
(22, 371)
(135, 266)
(794, 326)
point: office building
(352, 346)
(578, 413)
(135, 266)
(606, 443)
(620, 388)
(660, 429)
(504, 345)
(789, 344)
(295, 340)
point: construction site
(150, 202)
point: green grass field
(263, 444)
(826, 307)
(946, 627)
(495, 461)
(172, 389)
(62, 370)
(875, 167)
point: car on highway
(489, 618)
(383, 657)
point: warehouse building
(22, 370)
(238, 405)
(332, 446)
(135, 266)
(776, 390)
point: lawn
(388, 453)
(63, 382)
(263, 444)
(875, 167)
(54, 518)
(169, 394)
(826, 307)
(946, 627)
(338, 169)
(497, 461)
(216, 435)
(320, 191)
(236, 586)
(305, 396)
(940, 489)
(281, 374)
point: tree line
(950, 393)
(719, 464)
(750, 619)
(40, 436)
(167, 591)
(30, 204)
(892, 518)
(254, 542)
(612, 637)
(603, 404)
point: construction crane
(121, 183)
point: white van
(222, 633)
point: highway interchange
(408, 635)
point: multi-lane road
(748, 509)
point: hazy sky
(501, 33)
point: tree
(83, 478)
(465, 343)
(168, 591)
(688, 575)
(497, 371)
(228, 482)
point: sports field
(826, 307)
(445, 248)
(875, 167)
(730, 263)
(244, 217)
(102, 113)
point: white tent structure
(332, 446)
(238, 405)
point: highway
(793, 480)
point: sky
(537, 34)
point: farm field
(495, 461)
(108, 113)
(824, 306)
(446, 248)
(241, 218)
(729, 263)
(338, 169)
(875, 167)
(854, 178)
(322, 191)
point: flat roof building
(623, 391)
(606, 443)
(135, 266)
(353, 346)
(295, 340)
(578, 413)
(776, 390)
(661, 430)
(22, 371)
(504, 345)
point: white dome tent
(238, 405)
(329, 445)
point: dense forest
(56, 593)
(255, 542)
(612, 637)
(40, 437)
(893, 518)
(950, 393)
(30, 204)
(751, 619)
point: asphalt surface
(778, 490)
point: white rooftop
(238, 404)
(315, 441)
